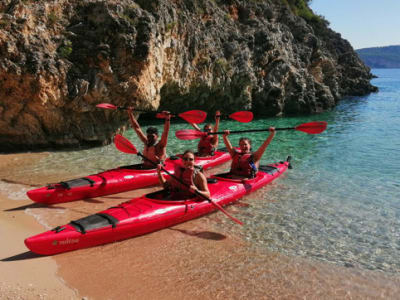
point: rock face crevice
(58, 59)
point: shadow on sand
(208, 235)
(22, 256)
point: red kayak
(146, 214)
(114, 181)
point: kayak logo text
(65, 242)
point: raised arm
(167, 123)
(260, 151)
(136, 126)
(195, 126)
(228, 144)
(214, 140)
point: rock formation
(60, 58)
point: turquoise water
(340, 203)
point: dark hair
(152, 130)
(188, 151)
(245, 139)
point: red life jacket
(205, 147)
(243, 165)
(187, 176)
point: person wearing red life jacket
(245, 162)
(209, 143)
(153, 150)
(195, 181)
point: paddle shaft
(252, 130)
(196, 192)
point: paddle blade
(242, 116)
(160, 116)
(106, 106)
(124, 145)
(194, 116)
(312, 127)
(226, 213)
(189, 134)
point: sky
(364, 23)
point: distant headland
(381, 57)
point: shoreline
(199, 259)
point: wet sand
(23, 275)
(199, 259)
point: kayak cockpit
(138, 167)
(96, 221)
(269, 169)
(165, 197)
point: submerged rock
(59, 59)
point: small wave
(13, 191)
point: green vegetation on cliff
(301, 9)
(381, 57)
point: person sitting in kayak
(195, 182)
(156, 152)
(245, 162)
(208, 143)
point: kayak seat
(268, 169)
(224, 149)
(95, 221)
(174, 157)
(76, 183)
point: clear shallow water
(340, 203)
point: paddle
(242, 116)
(124, 145)
(310, 128)
(191, 116)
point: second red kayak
(146, 214)
(114, 181)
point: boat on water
(118, 180)
(148, 213)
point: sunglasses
(187, 158)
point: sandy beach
(23, 275)
(194, 260)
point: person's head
(152, 135)
(245, 145)
(207, 128)
(188, 158)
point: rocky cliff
(60, 58)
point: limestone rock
(58, 59)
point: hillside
(58, 59)
(381, 57)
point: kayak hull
(114, 181)
(145, 214)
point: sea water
(339, 204)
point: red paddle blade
(242, 116)
(106, 105)
(312, 127)
(194, 116)
(226, 213)
(189, 134)
(124, 145)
